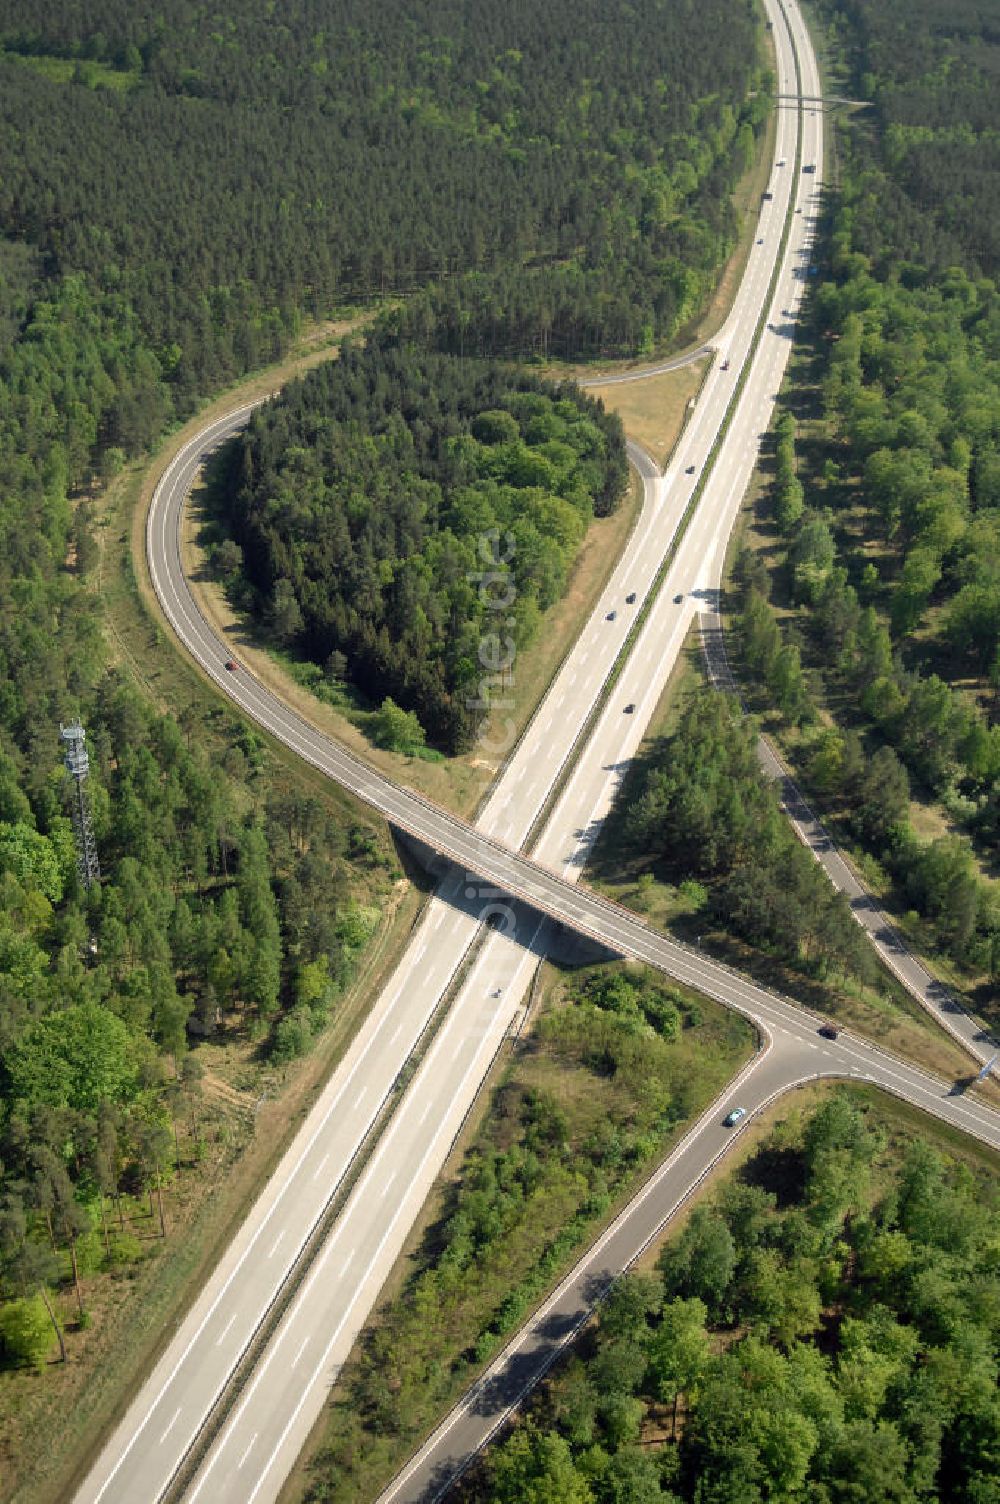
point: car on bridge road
(734, 1117)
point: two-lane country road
(795, 1057)
(889, 944)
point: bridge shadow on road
(498, 1393)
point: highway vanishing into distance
(474, 948)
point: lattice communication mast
(78, 767)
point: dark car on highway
(827, 1031)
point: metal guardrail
(496, 1366)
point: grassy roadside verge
(232, 1132)
(456, 783)
(771, 1274)
(580, 1107)
(54, 1423)
(654, 411)
(757, 533)
(884, 1012)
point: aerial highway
(255, 1445)
(797, 1053)
(275, 1412)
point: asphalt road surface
(260, 1438)
(797, 1053)
(888, 942)
(796, 1056)
(643, 373)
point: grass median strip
(642, 615)
(816, 1270)
(612, 1067)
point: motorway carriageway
(256, 1445)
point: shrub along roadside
(377, 512)
(698, 844)
(822, 1327)
(616, 1065)
(862, 782)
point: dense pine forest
(224, 172)
(882, 528)
(231, 905)
(393, 510)
(703, 810)
(927, 177)
(823, 1329)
